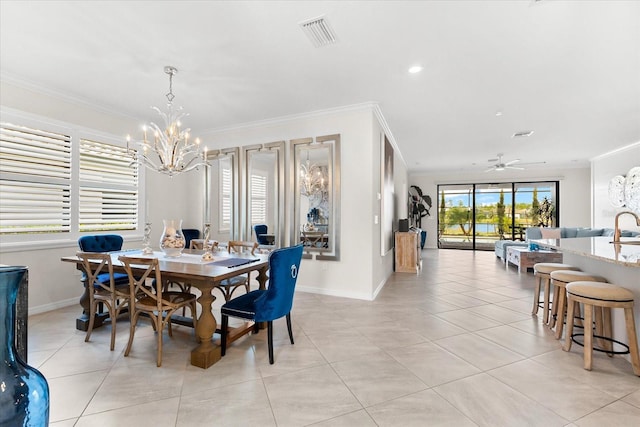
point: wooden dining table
(205, 276)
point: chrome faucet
(616, 233)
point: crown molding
(83, 102)
(387, 131)
(284, 119)
(616, 151)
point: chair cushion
(589, 232)
(548, 267)
(575, 276)
(118, 278)
(569, 232)
(243, 306)
(600, 291)
(234, 281)
(550, 233)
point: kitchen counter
(598, 248)
(618, 263)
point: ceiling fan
(500, 165)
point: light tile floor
(455, 345)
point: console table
(407, 251)
(523, 258)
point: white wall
(575, 192)
(604, 168)
(55, 284)
(361, 270)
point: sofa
(536, 233)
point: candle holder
(146, 240)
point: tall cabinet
(407, 251)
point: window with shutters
(56, 182)
(35, 180)
(226, 185)
(108, 188)
(258, 199)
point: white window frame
(16, 242)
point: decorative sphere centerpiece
(172, 241)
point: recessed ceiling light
(498, 113)
(522, 134)
(415, 69)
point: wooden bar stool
(542, 271)
(559, 280)
(601, 298)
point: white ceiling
(568, 70)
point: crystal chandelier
(168, 150)
(313, 178)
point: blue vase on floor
(24, 392)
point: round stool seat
(600, 291)
(560, 279)
(598, 300)
(548, 267)
(542, 271)
(575, 276)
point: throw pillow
(588, 232)
(550, 233)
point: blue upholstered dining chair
(189, 234)
(261, 229)
(103, 243)
(102, 285)
(270, 304)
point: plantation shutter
(35, 180)
(258, 199)
(108, 188)
(225, 197)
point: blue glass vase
(24, 392)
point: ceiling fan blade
(512, 162)
(513, 167)
(490, 169)
(493, 160)
(532, 163)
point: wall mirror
(264, 192)
(221, 184)
(316, 192)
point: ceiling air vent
(522, 134)
(319, 31)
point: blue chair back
(100, 243)
(261, 229)
(190, 233)
(276, 302)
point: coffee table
(524, 258)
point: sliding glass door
(474, 216)
(455, 216)
(492, 213)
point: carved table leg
(207, 353)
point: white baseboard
(54, 306)
(334, 293)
